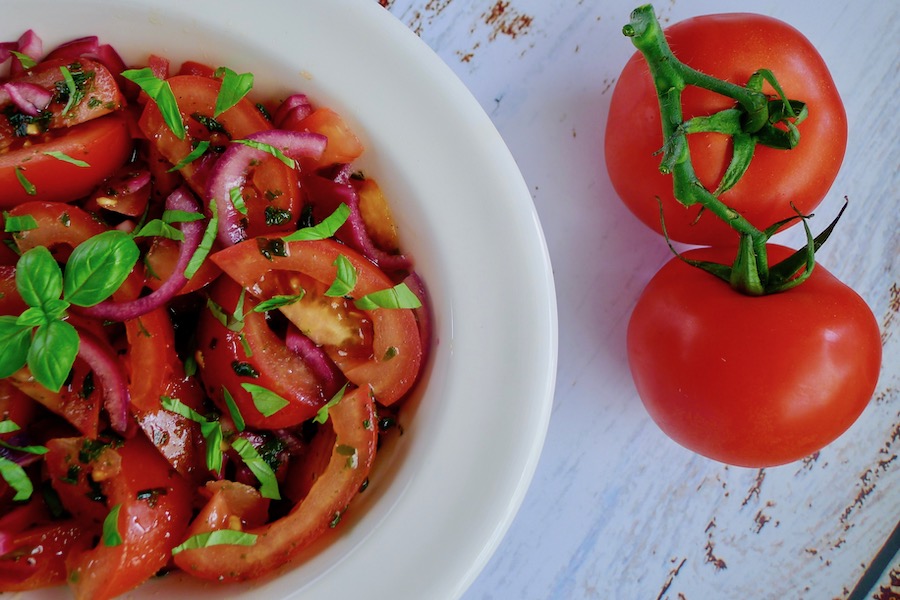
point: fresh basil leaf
(324, 230)
(159, 228)
(265, 400)
(16, 223)
(196, 153)
(111, 536)
(8, 426)
(219, 537)
(98, 266)
(181, 216)
(26, 61)
(237, 200)
(269, 149)
(14, 343)
(345, 278)
(66, 158)
(23, 181)
(278, 301)
(233, 409)
(399, 296)
(161, 93)
(38, 276)
(210, 430)
(52, 353)
(27, 449)
(234, 87)
(32, 317)
(206, 242)
(72, 88)
(264, 473)
(17, 479)
(322, 414)
(55, 308)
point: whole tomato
(730, 47)
(752, 381)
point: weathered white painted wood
(617, 510)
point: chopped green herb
(161, 93)
(259, 467)
(26, 61)
(399, 296)
(237, 200)
(269, 149)
(277, 302)
(18, 480)
(271, 247)
(15, 223)
(66, 158)
(111, 536)
(158, 228)
(209, 236)
(324, 230)
(211, 431)
(244, 369)
(23, 181)
(322, 414)
(212, 125)
(345, 278)
(219, 537)
(233, 409)
(276, 216)
(234, 88)
(196, 153)
(265, 400)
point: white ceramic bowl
(446, 492)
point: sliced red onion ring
(180, 199)
(29, 98)
(230, 172)
(330, 194)
(315, 358)
(289, 113)
(107, 367)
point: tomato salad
(207, 322)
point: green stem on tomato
(750, 272)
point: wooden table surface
(616, 509)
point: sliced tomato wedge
(155, 508)
(353, 421)
(34, 173)
(379, 349)
(255, 355)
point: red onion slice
(180, 199)
(315, 358)
(29, 98)
(289, 113)
(230, 172)
(107, 367)
(326, 195)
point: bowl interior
(443, 492)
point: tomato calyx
(750, 273)
(757, 118)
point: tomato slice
(271, 187)
(388, 363)
(155, 509)
(96, 94)
(343, 145)
(104, 144)
(353, 420)
(225, 363)
(38, 558)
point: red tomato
(271, 185)
(343, 145)
(104, 144)
(353, 420)
(729, 47)
(38, 558)
(752, 381)
(379, 348)
(155, 509)
(225, 363)
(97, 95)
